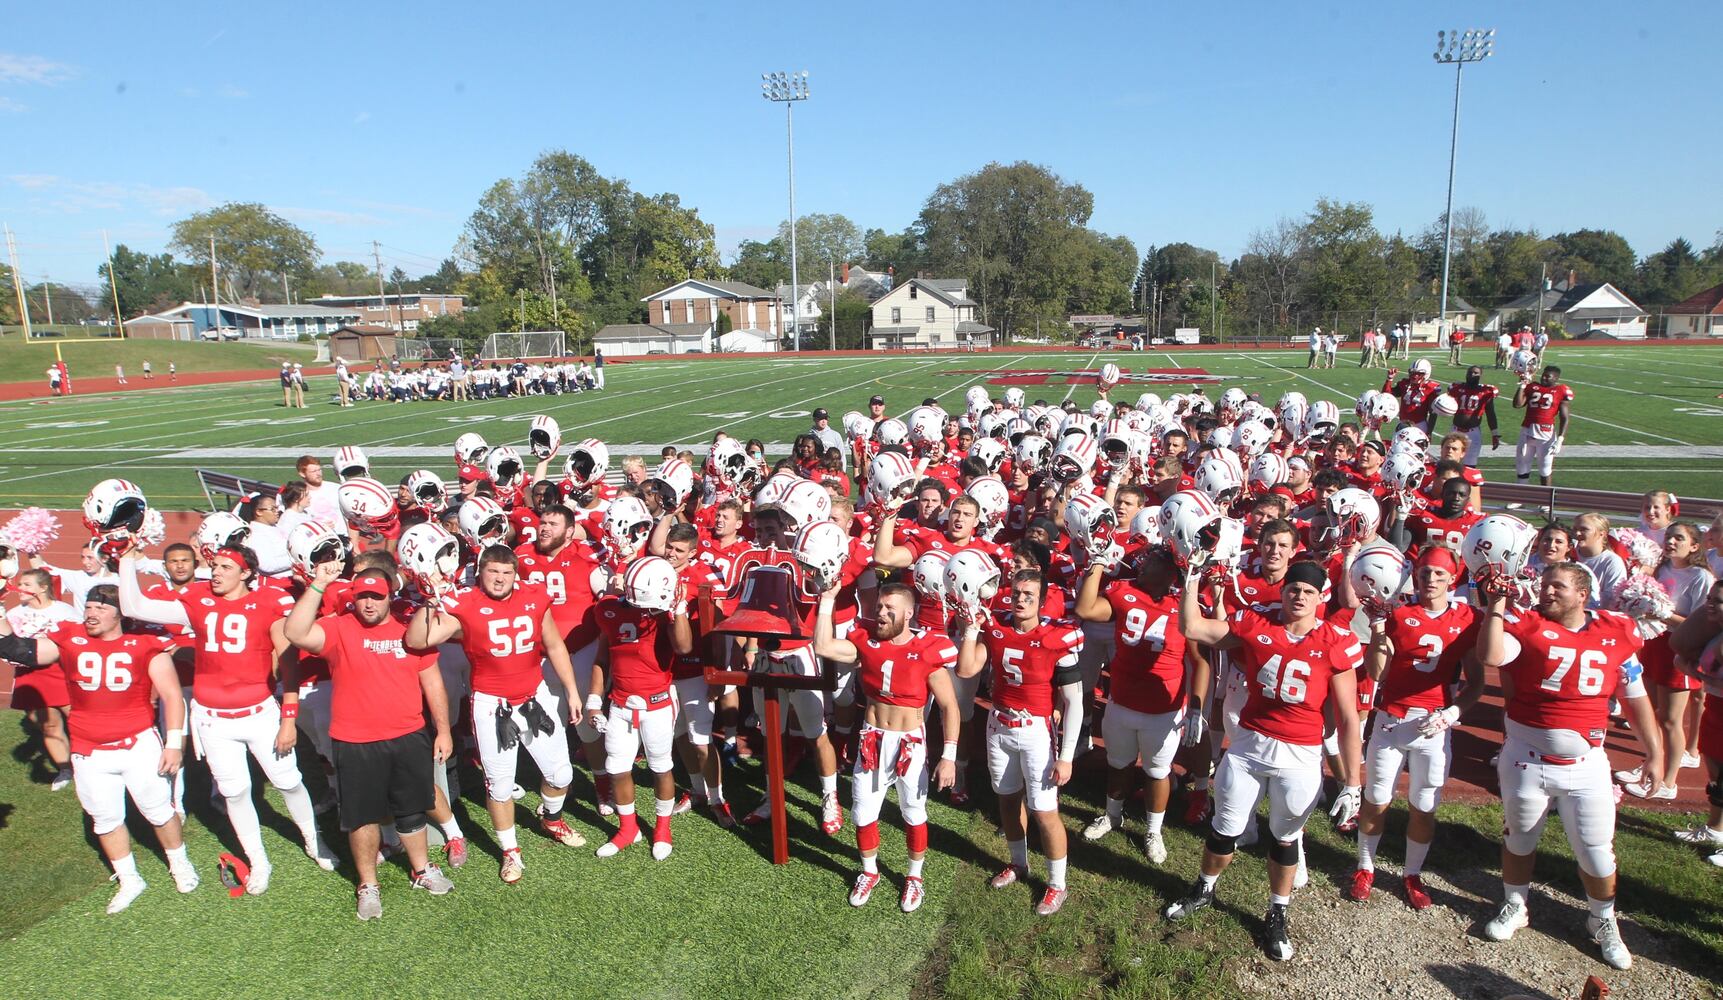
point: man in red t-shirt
(1541, 434)
(383, 752)
(116, 750)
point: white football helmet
(806, 502)
(626, 525)
(1421, 368)
(1267, 471)
(470, 449)
(367, 504)
(1379, 575)
(929, 573)
(926, 426)
(857, 426)
(1110, 375)
(1353, 514)
(351, 463)
(730, 465)
(1091, 522)
(1184, 519)
(1291, 410)
(1046, 420)
(313, 542)
(977, 399)
(429, 556)
(1078, 423)
(995, 502)
(1500, 541)
(890, 477)
(428, 491)
(1033, 453)
(971, 580)
(1074, 457)
(1231, 402)
(1382, 409)
(544, 437)
(989, 450)
(679, 477)
(1404, 471)
(484, 522)
(1101, 411)
(218, 531)
(1148, 401)
(1412, 439)
(1222, 543)
(1445, 404)
(1014, 398)
(822, 548)
(1361, 405)
(114, 506)
(891, 431)
(1218, 477)
(505, 467)
(650, 584)
(1321, 420)
(773, 489)
(1146, 526)
(1221, 436)
(586, 465)
(1250, 439)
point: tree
(1344, 269)
(763, 265)
(820, 240)
(254, 246)
(1674, 273)
(148, 282)
(443, 281)
(1272, 271)
(1595, 255)
(897, 253)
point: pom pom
(1642, 597)
(31, 531)
(1638, 548)
(154, 529)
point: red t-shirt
(1563, 679)
(108, 681)
(1289, 675)
(1148, 668)
(640, 651)
(1543, 402)
(895, 673)
(1426, 527)
(1027, 666)
(235, 654)
(377, 695)
(502, 638)
(1427, 653)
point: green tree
(761, 264)
(821, 239)
(1595, 255)
(896, 253)
(148, 282)
(254, 247)
(1344, 268)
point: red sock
(661, 830)
(627, 831)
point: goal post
(531, 344)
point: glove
(1439, 721)
(1555, 446)
(1195, 728)
(1346, 805)
(537, 719)
(508, 734)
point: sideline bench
(228, 485)
(1573, 500)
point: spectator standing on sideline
(1315, 348)
(287, 384)
(54, 380)
(120, 373)
(148, 374)
(1330, 348)
(825, 433)
(598, 368)
(1456, 343)
(341, 385)
(325, 504)
(298, 385)
(173, 372)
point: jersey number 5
(502, 644)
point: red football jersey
(1543, 402)
(109, 682)
(1472, 402)
(1027, 666)
(1415, 396)
(694, 576)
(640, 650)
(164, 591)
(235, 654)
(1427, 653)
(1289, 674)
(1426, 527)
(502, 638)
(895, 673)
(1148, 668)
(723, 557)
(525, 521)
(567, 578)
(1563, 679)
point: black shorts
(385, 779)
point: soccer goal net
(431, 349)
(531, 344)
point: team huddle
(1255, 594)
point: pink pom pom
(32, 530)
(154, 529)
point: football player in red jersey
(694, 712)
(179, 565)
(1546, 404)
(1033, 661)
(1298, 665)
(1560, 666)
(899, 666)
(1415, 392)
(1416, 654)
(506, 629)
(1156, 699)
(241, 648)
(1444, 525)
(116, 750)
(1477, 404)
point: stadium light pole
(787, 89)
(1475, 45)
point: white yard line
(1629, 430)
(1073, 387)
(823, 394)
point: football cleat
(1196, 807)
(62, 780)
(433, 881)
(558, 830)
(1417, 897)
(863, 888)
(1052, 901)
(370, 902)
(185, 877)
(1155, 848)
(618, 842)
(606, 798)
(762, 814)
(317, 852)
(1200, 897)
(722, 816)
(684, 802)
(455, 852)
(131, 887)
(1098, 827)
(1510, 918)
(258, 882)
(513, 867)
(1359, 888)
(1607, 934)
(1009, 875)
(1276, 942)
(831, 814)
(913, 892)
(661, 839)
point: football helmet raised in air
(1074, 458)
(544, 437)
(219, 531)
(994, 500)
(114, 507)
(350, 462)
(626, 526)
(1379, 575)
(1353, 515)
(484, 522)
(470, 449)
(891, 431)
(311, 543)
(1500, 542)
(890, 477)
(429, 556)
(971, 580)
(806, 502)
(1091, 522)
(428, 491)
(821, 548)
(586, 465)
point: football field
(1643, 416)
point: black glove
(508, 734)
(537, 718)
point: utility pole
(18, 283)
(1543, 283)
(48, 298)
(787, 89)
(1211, 303)
(382, 296)
(832, 286)
(113, 287)
(1452, 47)
(214, 291)
(285, 296)
(522, 316)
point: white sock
(1155, 819)
(1274, 900)
(697, 785)
(715, 794)
(915, 867)
(242, 815)
(304, 813)
(553, 803)
(506, 839)
(665, 806)
(451, 829)
(828, 784)
(1208, 881)
(1368, 843)
(870, 864)
(1516, 893)
(126, 867)
(1056, 873)
(1602, 909)
(177, 857)
(1019, 852)
(1115, 810)
(625, 810)
(1415, 855)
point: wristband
(316, 590)
(950, 751)
(175, 739)
(290, 710)
(594, 702)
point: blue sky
(1192, 122)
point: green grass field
(1644, 416)
(22, 361)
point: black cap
(929, 401)
(876, 401)
(821, 414)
